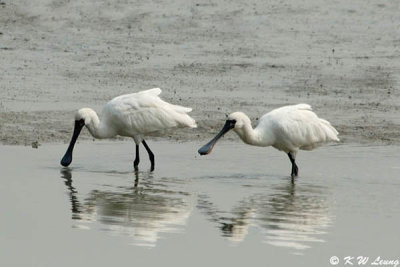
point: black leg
(295, 169)
(136, 162)
(151, 155)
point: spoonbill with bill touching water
(288, 129)
(133, 115)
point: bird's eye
(232, 122)
(81, 122)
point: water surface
(235, 206)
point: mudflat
(218, 57)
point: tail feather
(181, 116)
(330, 131)
(185, 120)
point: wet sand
(197, 211)
(217, 57)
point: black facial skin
(207, 148)
(67, 159)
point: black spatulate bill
(67, 159)
(207, 148)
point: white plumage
(295, 127)
(289, 129)
(134, 115)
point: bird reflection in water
(290, 215)
(142, 211)
(75, 205)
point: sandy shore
(215, 56)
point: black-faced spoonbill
(133, 115)
(288, 129)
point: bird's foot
(293, 176)
(295, 171)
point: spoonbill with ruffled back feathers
(133, 115)
(289, 129)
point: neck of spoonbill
(255, 137)
(98, 129)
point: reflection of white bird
(289, 215)
(133, 115)
(143, 215)
(144, 212)
(288, 129)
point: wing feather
(298, 126)
(144, 112)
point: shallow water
(233, 207)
